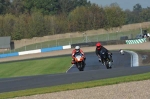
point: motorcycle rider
(99, 49)
(75, 51)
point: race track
(93, 71)
(92, 62)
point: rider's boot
(102, 62)
(73, 61)
(99, 60)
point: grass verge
(35, 67)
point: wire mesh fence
(85, 38)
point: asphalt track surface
(92, 62)
(93, 71)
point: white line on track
(69, 68)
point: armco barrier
(136, 41)
(51, 49)
(9, 55)
(55, 48)
(35, 51)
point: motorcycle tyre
(107, 66)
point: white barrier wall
(47, 49)
(67, 47)
(30, 52)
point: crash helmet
(98, 45)
(77, 48)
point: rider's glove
(110, 53)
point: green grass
(35, 67)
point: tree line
(35, 18)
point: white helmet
(77, 48)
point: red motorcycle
(79, 61)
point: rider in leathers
(77, 50)
(99, 49)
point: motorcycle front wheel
(80, 66)
(108, 65)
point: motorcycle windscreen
(78, 57)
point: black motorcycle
(106, 59)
